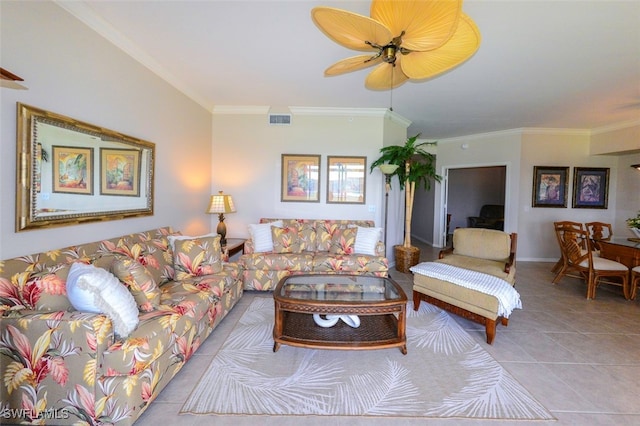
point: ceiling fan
(405, 39)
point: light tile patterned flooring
(579, 358)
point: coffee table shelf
(382, 315)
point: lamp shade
(221, 203)
(388, 169)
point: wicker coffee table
(376, 305)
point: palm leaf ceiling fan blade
(426, 25)
(350, 29)
(354, 63)
(459, 48)
(385, 77)
(409, 39)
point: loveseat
(62, 366)
(474, 278)
(280, 247)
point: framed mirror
(69, 172)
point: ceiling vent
(280, 119)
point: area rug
(444, 374)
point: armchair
(491, 217)
(473, 279)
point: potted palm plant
(415, 167)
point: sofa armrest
(512, 253)
(249, 247)
(56, 334)
(472, 221)
(445, 252)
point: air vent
(280, 119)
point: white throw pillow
(261, 236)
(92, 289)
(366, 240)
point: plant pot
(636, 232)
(406, 257)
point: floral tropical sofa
(280, 247)
(62, 366)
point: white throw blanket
(508, 297)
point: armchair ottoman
(473, 279)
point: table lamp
(221, 204)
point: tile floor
(579, 358)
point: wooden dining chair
(575, 225)
(581, 262)
(599, 231)
(635, 282)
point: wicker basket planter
(406, 257)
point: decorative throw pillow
(261, 236)
(366, 240)
(343, 241)
(176, 237)
(139, 281)
(47, 292)
(197, 257)
(96, 290)
(286, 239)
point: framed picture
(300, 178)
(72, 169)
(120, 172)
(346, 180)
(590, 187)
(550, 186)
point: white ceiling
(547, 64)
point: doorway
(467, 189)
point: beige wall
(615, 140)
(491, 149)
(71, 70)
(247, 160)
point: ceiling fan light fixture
(389, 53)
(434, 35)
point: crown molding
(555, 131)
(315, 111)
(359, 112)
(616, 126)
(83, 12)
(481, 135)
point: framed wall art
(300, 178)
(72, 169)
(550, 186)
(346, 179)
(590, 187)
(120, 172)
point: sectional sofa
(159, 296)
(280, 247)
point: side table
(233, 246)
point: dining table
(623, 250)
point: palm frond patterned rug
(444, 374)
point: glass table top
(348, 288)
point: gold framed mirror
(70, 172)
